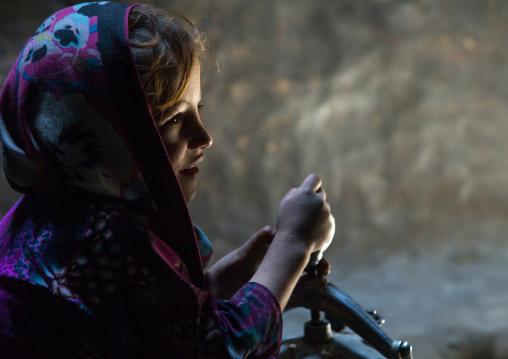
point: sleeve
(251, 322)
(153, 308)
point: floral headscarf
(73, 114)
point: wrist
(293, 243)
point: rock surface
(400, 106)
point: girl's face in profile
(184, 135)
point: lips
(192, 170)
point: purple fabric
(60, 125)
(122, 273)
(128, 281)
(254, 307)
(4, 226)
(74, 115)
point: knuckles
(307, 213)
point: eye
(173, 121)
(200, 107)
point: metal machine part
(344, 345)
(358, 333)
(338, 304)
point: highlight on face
(166, 48)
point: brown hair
(165, 45)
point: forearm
(235, 269)
(282, 266)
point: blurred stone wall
(400, 106)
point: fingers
(266, 233)
(305, 214)
(322, 193)
(311, 183)
(262, 237)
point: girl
(101, 132)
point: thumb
(312, 183)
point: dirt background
(400, 106)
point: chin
(189, 195)
(188, 188)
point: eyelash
(173, 120)
(176, 118)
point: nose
(202, 139)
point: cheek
(175, 151)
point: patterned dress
(116, 277)
(120, 273)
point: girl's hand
(304, 225)
(235, 269)
(304, 216)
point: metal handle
(402, 350)
(338, 304)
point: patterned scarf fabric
(74, 115)
(121, 275)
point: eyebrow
(174, 108)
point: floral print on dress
(129, 279)
(26, 251)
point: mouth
(192, 170)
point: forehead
(193, 91)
